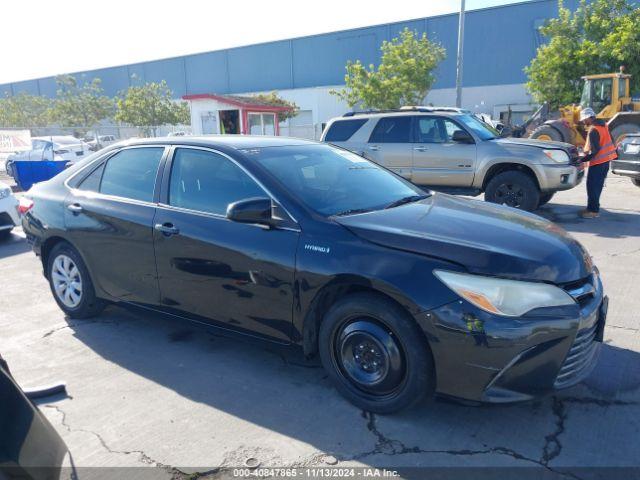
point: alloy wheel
(510, 194)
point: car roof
(447, 112)
(238, 142)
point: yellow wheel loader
(608, 94)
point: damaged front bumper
(489, 358)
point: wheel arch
(341, 287)
(501, 167)
(49, 244)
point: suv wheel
(71, 284)
(375, 354)
(514, 189)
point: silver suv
(453, 151)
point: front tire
(636, 181)
(375, 354)
(514, 189)
(71, 283)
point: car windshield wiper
(352, 211)
(409, 199)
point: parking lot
(151, 391)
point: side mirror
(462, 136)
(251, 210)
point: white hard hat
(586, 113)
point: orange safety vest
(607, 150)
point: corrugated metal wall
(499, 42)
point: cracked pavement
(151, 391)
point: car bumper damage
(488, 358)
(560, 177)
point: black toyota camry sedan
(402, 293)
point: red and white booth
(232, 114)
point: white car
(101, 141)
(9, 216)
(57, 147)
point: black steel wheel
(367, 354)
(375, 354)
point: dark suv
(628, 162)
(402, 293)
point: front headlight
(5, 192)
(558, 156)
(504, 297)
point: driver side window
(208, 182)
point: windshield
(331, 181)
(585, 100)
(481, 129)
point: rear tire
(375, 354)
(547, 132)
(71, 283)
(514, 189)
(545, 198)
(621, 130)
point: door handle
(167, 229)
(420, 149)
(75, 208)
(374, 148)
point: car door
(109, 218)
(437, 159)
(390, 144)
(231, 274)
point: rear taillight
(25, 205)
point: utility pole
(460, 55)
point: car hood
(484, 238)
(530, 142)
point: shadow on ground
(275, 388)
(611, 224)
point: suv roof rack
(411, 108)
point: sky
(51, 37)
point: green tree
(24, 110)
(80, 104)
(404, 77)
(274, 99)
(598, 37)
(150, 105)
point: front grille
(580, 359)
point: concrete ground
(144, 390)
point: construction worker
(599, 150)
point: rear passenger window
(92, 182)
(131, 173)
(392, 130)
(343, 130)
(208, 182)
